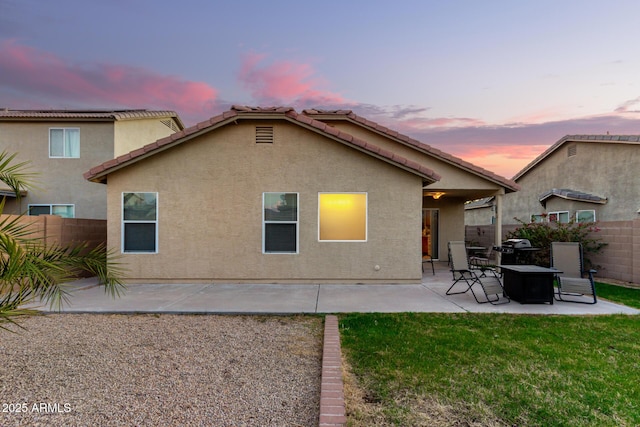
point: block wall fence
(619, 260)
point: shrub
(541, 234)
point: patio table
(529, 284)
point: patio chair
(464, 275)
(483, 260)
(486, 261)
(567, 258)
(425, 255)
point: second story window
(64, 143)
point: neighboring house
(582, 178)
(480, 211)
(272, 195)
(62, 144)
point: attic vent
(572, 150)
(264, 134)
(170, 124)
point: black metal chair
(426, 257)
(465, 275)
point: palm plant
(32, 271)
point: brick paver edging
(332, 410)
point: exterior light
(436, 194)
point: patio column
(497, 239)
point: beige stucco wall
(451, 217)
(479, 216)
(132, 134)
(606, 170)
(453, 178)
(210, 210)
(60, 181)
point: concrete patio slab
(382, 299)
(228, 298)
(248, 299)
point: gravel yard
(161, 370)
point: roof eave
(348, 115)
(120, 162)
(608, 139)
(428, 176)
(100, 173)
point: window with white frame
(65, 211)
(588, 215)
(140, 222)
(64, 143)
(538, 218)
(560, 216)
(280, 223)
(342, 217)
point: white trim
(123, 222)
(586, 210)
(366, 216)
(296, 222)
(558, 214)
(64, 129)
(51, 205)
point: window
(280, 223)
(561, 217)
(538, 218)
(342, 217)
(140, 222)
(572, 150)
(65, 211)
(64, 143)
(586, 216)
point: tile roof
(425, 148)
(607, 139)
(99, 173)
(115, 115)
(566, 193)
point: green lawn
(493, 369)
(619, 294)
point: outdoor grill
(515, 251)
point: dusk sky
(494, 82)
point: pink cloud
(30, 74)
(630, 106)
(284, 83)
(503, 149)
(440, 122)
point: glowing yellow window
(342, 217)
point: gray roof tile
(566, 193)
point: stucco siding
(479, 216)
(60, 180)
(452, 176)
(132, 134)
(451, 221)
(602, 169)
(210, 210)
